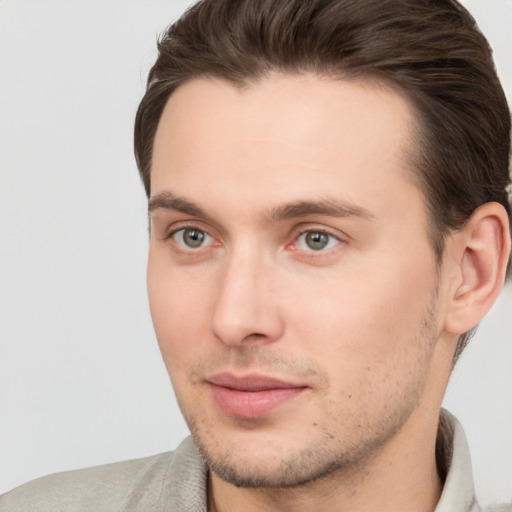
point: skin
(362, 325)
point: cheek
(370, 340)
(356, 321)
(178, 302)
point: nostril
(255, 335)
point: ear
(480, 255)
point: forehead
(282, 137)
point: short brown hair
(431, 50)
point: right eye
(192, 238)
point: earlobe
(482, 255)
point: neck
(401, 476)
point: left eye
(316, 241)
(192, 238)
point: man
(327, 191)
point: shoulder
(500, 508)
(141, 484)
(96, 488)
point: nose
(247, 311)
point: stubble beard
(326, 457)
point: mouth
(251, 396)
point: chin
(253, 459)
(297, 470)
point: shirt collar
(452, 449)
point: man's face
(291, 281)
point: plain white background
(81, 380)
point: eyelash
(174, 234)
(329, 245)
(293, 245)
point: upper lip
(250, 382)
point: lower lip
(252, 404)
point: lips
(251, 396)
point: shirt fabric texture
(177, 482)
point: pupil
(193, 237)
(317, 241)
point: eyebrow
(327, 207)
(168, 201)
(295, 209)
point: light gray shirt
(177, 482)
